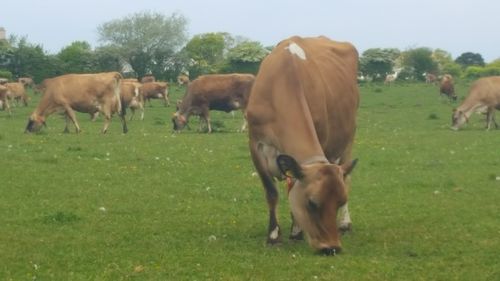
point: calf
(223, 92)
(484, 96)
(88, 93)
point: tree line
(153, 43)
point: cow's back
(307, 86)
(77, 87)
(486, 90)
(219, 91)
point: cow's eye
(312, 205)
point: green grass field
(152, 205)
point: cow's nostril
(331, 251)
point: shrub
(5, 74)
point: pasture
(152, 205)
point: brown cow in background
(131, 97)
(222, 92)
(447, 87)
(4, 101)
(87, 93)
(182, 79)
(155, 90)
(26, 81)
(16, 92)
(148, 78)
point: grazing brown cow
(4, 102)
(87, 93)
(182, 79)
(484, 97)
(222, 92)
(131, 97)
(16, 92)
(155, 90)
(447, 88)
(302, 120)
(148, 78)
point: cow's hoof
(345, 227)
(297, 237)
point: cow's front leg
(296, 232)
(71, 115)
(344, 219)
(273, 230)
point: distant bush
(5, 74)
(475, 72)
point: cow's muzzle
(331, 251)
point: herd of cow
(301, 111)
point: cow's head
(35, 122)
(458, 118)
(319, 191)
(179, 121)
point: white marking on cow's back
(296, 50)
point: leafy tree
(207, 52)
(31, 60)
(420, 61)
(146, 40)
(107, 59)
(376, 62)
(246, 57)
(470, 59)
(78, 58)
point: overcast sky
(456, 26)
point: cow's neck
(45, 108)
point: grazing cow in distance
(182, 79)
(148, 78)
(447, 87)
(155, 90)
(484, 97)
(131, 97)
(302, 121)
(4, 101)
(222, 92)
(430, 78)
(87, 93)
(26, 81)
(3, 81)
(16, 92)
(390, 78)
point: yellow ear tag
(289, 174)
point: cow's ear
(289, 167)
(349, 166)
